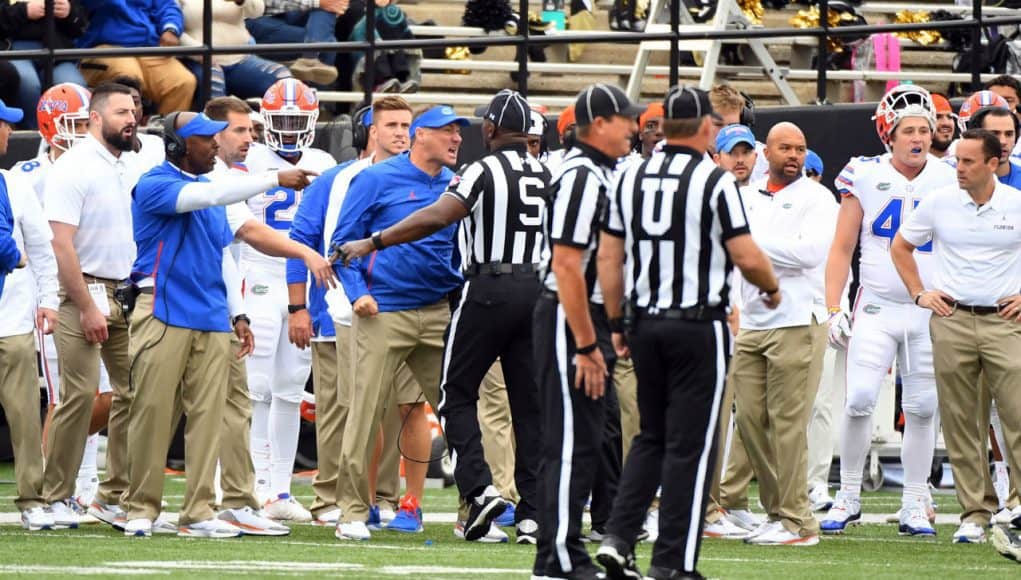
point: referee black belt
(972, 309)
(691, 314)
(500, 269)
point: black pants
(611, 452)
(493, 319)
(573, 430)
(681, 368)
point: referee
(676, 223)
(500, 200)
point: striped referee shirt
(675, 211)
(505, 194)
(580, 190)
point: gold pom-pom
(458, 53)
(923, 37)
(810, 19)
(752, 10)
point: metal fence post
(976, 46)
(675, 55)
(50, 39)
(823, 54)
(206, 89)
(522, 52)
(369, 75)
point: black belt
(692, 314)
(973, 309)
(499, 268)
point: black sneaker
(527, 532)
(483, 509)
(658, 573)
(618, 559)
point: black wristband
(377, 240)
(234, 321)
(292, 308)
(588, 349)
(617, 324)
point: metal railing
(521, 41)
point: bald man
(778, 353)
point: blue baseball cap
(10, 115)
(201, 126)
(731, 135)
(813, 162)
(438, 116)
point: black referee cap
(687, 103)
(602, 100)
(508, 110)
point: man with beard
(946, 126)
(189, 295)
(88, 204)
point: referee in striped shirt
(572, 351)
(676, 224)
(500, 200)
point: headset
(172, 142)
(359, 132)
(747, 111)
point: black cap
(687, 103)
(602, 100)
(508, 110)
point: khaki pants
(965, 346)
(497, 432)
(331, 416)
(19, 397)
(388, 476)
(237, 474)
(627, 394)
(381, 344)
(79, 378)
(733, 473)
(175, 364)
(776, 376)
(165, 81)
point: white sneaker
(162, 526)
(743, 519)
(64, 516)
(213, 528)
(328, 518)
(140, 528)
(970, 533)
(914, 519)
(820, 498)
(286, 508)
(386, 515)
(846, 511)
(352, 531)
(651, 526)
(35, 519)
(779, 536)
(494, 536)
(764, 527)
(1003, 516)
(252, 523)
(723, 528)
(108, 514)
(85, 491)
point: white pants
(276, 368)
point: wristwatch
(292, 308)
(234, 321)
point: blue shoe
(846, 511)
(506, 519)
(409, 517)
(374, 522)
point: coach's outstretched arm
(755, 267)
(200, 195)
(423, 223)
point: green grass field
(871, 551)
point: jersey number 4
(279, 213)
(889, 219)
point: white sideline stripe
(261, 565)
(447, 571)
(77, 570)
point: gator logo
(883, 186)
(788, 205)
(260, 289)
(871, 309)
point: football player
(278, 370)
(878, 193)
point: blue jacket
(1013, 178)
(408, 276)
(9, 253)
(130, 22)
(307, 228)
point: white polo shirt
(794, 227)
(88, 187)
(977, 249)
(36, 284)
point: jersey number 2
(280, 212)
(889, 219)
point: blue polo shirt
(1013, 178)
(9, 253)
(408, 276)
(182, 252)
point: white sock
(88, 468)
(217, 488)
(260, 448)
(916, 454)
(284, 423)
(854, 448)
